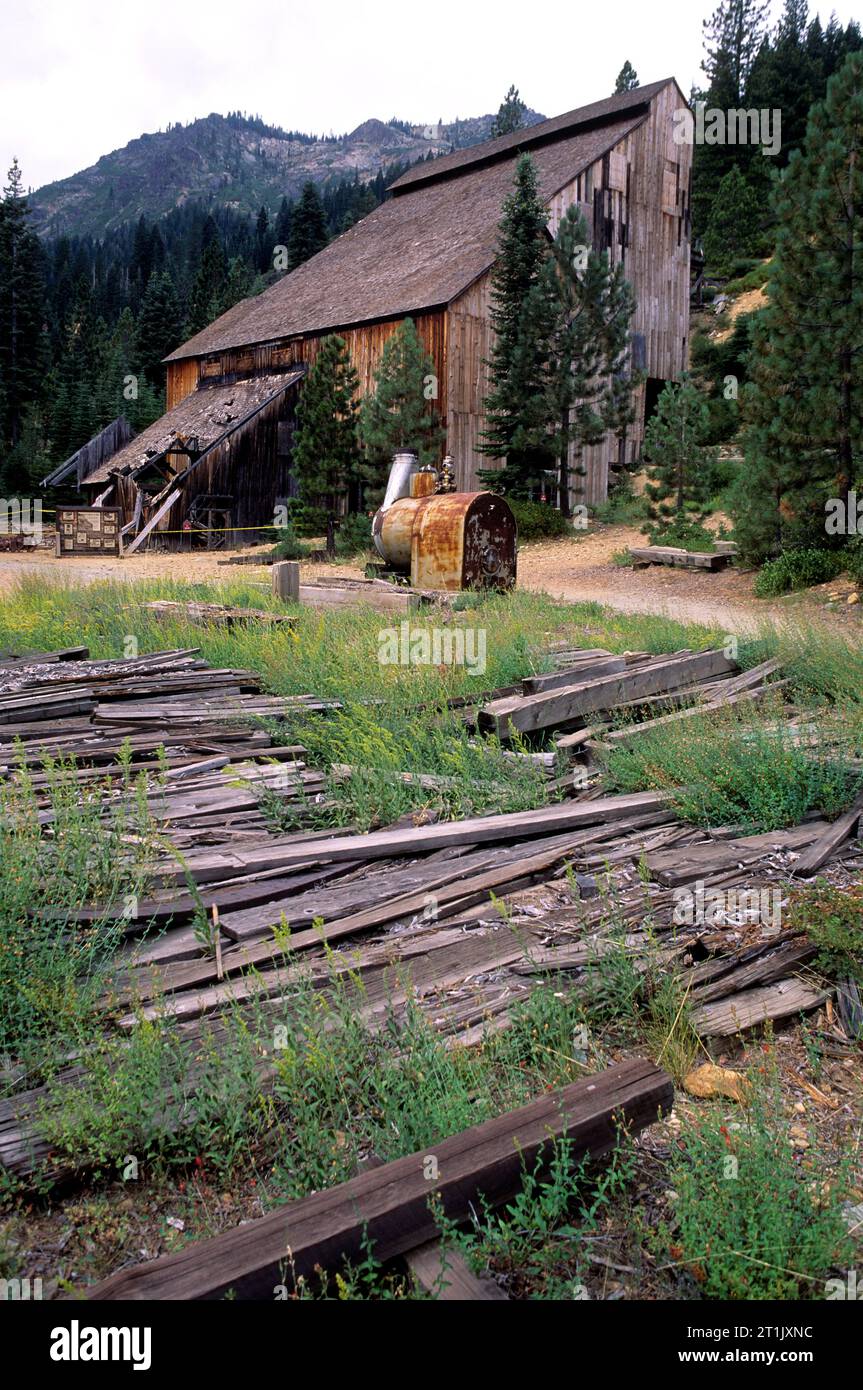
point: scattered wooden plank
(383, 844)
(388, 1209)
(388, 599)
(532, 712)
(835, 835)
(216, 614)
(733, 1015)
(578, 672)
(445, 1275)
(681, 559)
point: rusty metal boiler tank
(452, 540)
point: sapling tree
(679, 463)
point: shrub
(724, 770)
(688, 535)
(306, 520)
(538, 520)
(853, 558)
(752, 1223)
(797, 569)
(752, 280)
(354, 534)
(288, 547)
(832, 918)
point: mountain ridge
(235, 161)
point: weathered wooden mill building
(427, 253)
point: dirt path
(579, 569)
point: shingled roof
(582, 119)
(206, 415)
(425, 245)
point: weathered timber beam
(388, 1207)
(548, 709)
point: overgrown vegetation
(751, 1222)
(728, 768)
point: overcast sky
(83, 77)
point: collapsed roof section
(200, 421)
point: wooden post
(286, 581)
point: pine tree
(326, 452)
(400, 413)
(308, 227)
(627, 79)
(510, 115)
(734, 34)
(576, 326)
(736, 218)
(678, 487)
(23, 345)
(263, 242)
(160, 327)
(283, 225)
(804, 411)
(210, 282)
(514, 379)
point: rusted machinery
(442, 539)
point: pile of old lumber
(413, 910)
(388, 1208)
(195, 730)
(596, 682)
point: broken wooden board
(444, 1274)
(383, 844)
(216, 614)
(387, 1209)
(388, 598)
(829, 840)
(753, 1006)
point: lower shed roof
(206, 415)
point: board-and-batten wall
(635, 201)
(365, 345)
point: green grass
(730, 768)
(51, 969)
(751, 1222)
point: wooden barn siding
(181, 381)
(365, 344)
(470, 339)
(621, 197)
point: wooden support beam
(389, 1207)
(154, 520)
(447, 1277)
